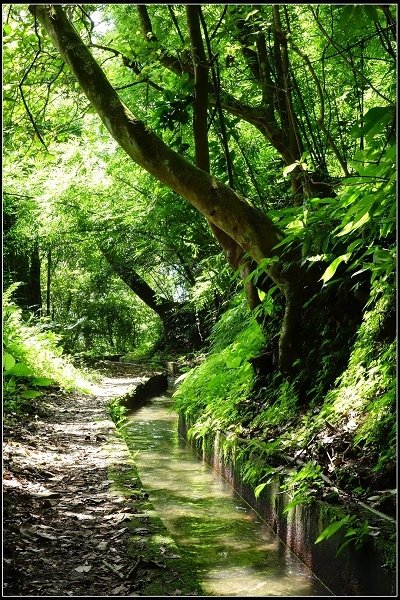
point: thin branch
(219, 23)
(175, 22)
(107, 49)
(166, 58)
(216, 82)
(345, 50)
(21, 83)
(89, 31)
(201, 67)
(9, 12)
(288, 122)
(390, 19)
(249, 166)
(316, 147)
(18, 195)
(385, 42)
(320, 119)
(131, 64)
(128, 85)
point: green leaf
(298, 224)
(259, 489)
(287, 240)
(290, 168)
(234, 363)
(8, 361)
(31, 394)
(6, 29)
(323, 200)
(353, 225)
(371, 13)
(331, 270)
(292, 504)
(10, 385)
(354, 245)
(342, 547)
(21, 370)
(375, 118)
(331, 529)
(42, 381)
(251, 13)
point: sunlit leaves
(331, 270)
(259, 488)
(20, 370)
(332, 528)
(296, 165)
(38, 361)
(359, 221)
(8, 361)
(375, 122)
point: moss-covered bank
(329, 433)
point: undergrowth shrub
(363, 400)
(211, 392)
(264, 425)
(32, 360)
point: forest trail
(66, 527)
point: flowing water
(233, 551)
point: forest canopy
(212, 178)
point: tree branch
(320, 119)
(200, 108)
(168, 60)
(252, 231)
(131, 64)
(175, 22)
(342, 51)
(21, 83)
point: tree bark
(253, 231)
(232, 250)
(276, 95)
(139, 286)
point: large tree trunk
(253, 231)
(271, 74)
(232, 250)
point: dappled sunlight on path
(64, 525)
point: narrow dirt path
(75, 517)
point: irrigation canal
(234, 552)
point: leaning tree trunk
(253, 231)
(181, 330)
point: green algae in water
(233, 553)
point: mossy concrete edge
(156, 550)
(353, 572)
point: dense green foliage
(213, 390)
(300, 121)
(356, 415)
(32, 361)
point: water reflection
(234, 554)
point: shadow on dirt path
(76, 521)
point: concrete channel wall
(352, 573)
